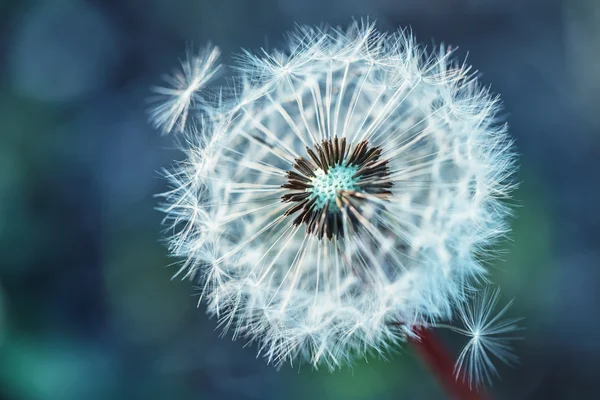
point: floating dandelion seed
(342, 196)
(488, 334)
(175, 100)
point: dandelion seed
(341, 196)
(174, 101)
(489, 336)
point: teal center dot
(326, 185)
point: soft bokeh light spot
(62, 51)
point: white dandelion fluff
(175, 99)
(341, 196)
(490, 336)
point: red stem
(437, 358)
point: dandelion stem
(435, 356)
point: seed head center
(335, 174)
(325, 185)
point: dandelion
(341, 196)
(488, 337)
(175, 100)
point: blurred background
(87, 307)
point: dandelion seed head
(338, 193)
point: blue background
(87, 307)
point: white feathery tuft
(490, 336)
(182, 90)
(327, 258)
